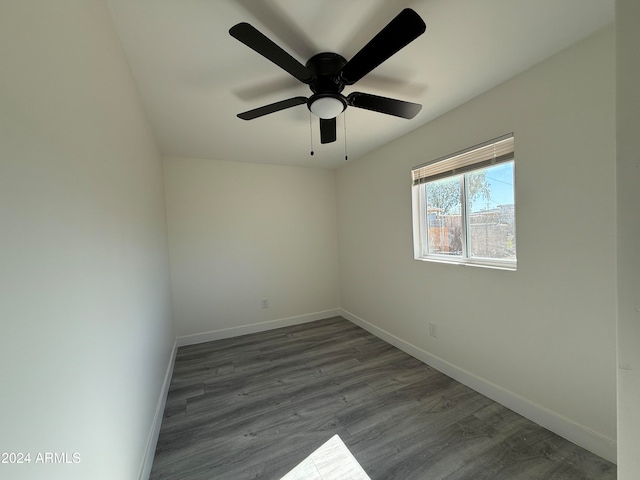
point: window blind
(486, 154)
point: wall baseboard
(255, 327)
(147, 462)
(594, 442)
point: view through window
(464, 206)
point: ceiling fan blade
(390, 106)
(272, 108)
(327, 130)
(275, 18)
(399, 32)
(258, 42)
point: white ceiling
(194, 77)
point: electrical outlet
(265, 303)
(433, 330)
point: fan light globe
(327, 107)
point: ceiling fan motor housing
(326, 85)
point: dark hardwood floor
(253, 407)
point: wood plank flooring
(253, 407)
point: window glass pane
(491, 212)
(444, 220)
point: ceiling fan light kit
(328, 73)
(327, 106)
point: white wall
(241, 232)
(628, 193)
(543, 338)
(85, 320)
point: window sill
(496, 265)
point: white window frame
(487, 154)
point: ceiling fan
(328, 73)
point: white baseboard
(255, 327)
(594, 442)
(147, 462)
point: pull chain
(311, 133)
(344, 122)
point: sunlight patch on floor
(332, 461)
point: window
(464, 207)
